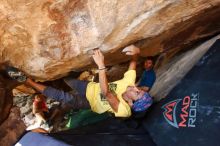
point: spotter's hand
(131, 50)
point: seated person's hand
(131, 50)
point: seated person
(120, 97)
(148, 77)
(40, 109)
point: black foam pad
(190, 114)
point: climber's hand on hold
(98, 58)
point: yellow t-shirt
(99, 103)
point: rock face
(171, 73)
(6, 96)
(12, 129)
(11, 125)
(48, 38)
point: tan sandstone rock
(23, 90)
(12, 129)
(48, 38)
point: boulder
(12, 128)
(47, 39)
(23, 90)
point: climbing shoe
(15, 74)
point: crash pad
(109, 132)
(37, 139)
(190, 114)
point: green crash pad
(85, 117)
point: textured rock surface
(12, 128)
(6, 97)
(171, 73)
(48, 38)
(23, 90)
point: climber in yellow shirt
(120, 97)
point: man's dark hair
(150, 58)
